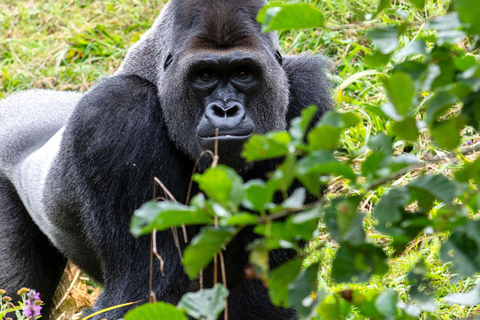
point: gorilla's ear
(308, 84)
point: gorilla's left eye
(242, 73)
(206, 74)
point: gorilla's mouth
(229, 149)
(230, 142)
(227, 137)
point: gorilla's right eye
(206, 74)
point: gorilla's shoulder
(121, 103)
(308, 83)
(120, 91)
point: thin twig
(167, 192)
(151, 294)
(155, 252)
(286, 212)
(174, 230)
(177, 242)
(224, 280)
(452, 155)
(215, 271)
(75, 278)
(215, 158)
(204, 152)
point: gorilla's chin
(229, 151)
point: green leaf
(400, 91)
(446, 77)
(257, 194)
(299, 125)
(421, 290)
(419, 4)
(269, 146)
(462, 249)
(222, 184)
(469, 171)
(289, 16)
(471, 110)
(376, 165)
(414, 69)
(404, 230)
(388, 209)
(296, 199)
(385, 39)
(342, 120)
(259, 258)
(300, 226)
(446, 133)
(302, 287)
(469, 11)
(337, 309)
(386, 304)
(377, 59)
(381, 142)
(470, 299)
(242, 219)
(414, 47)
(199, 253)
(358, 263)
(279, 280)
(206, 304)
(365, 302)
(164, 215)
(283, 177)
(382, 5)
(322, 162)
(464, 63)
(438, 104)
(406, 129)
(449, 218)
(447, 26)
(157, 310)
(328, 131)
(343, 220)
(436, 185)
(324, 137)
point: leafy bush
(433, 90)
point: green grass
(70, 45)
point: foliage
(432, 90)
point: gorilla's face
(222, 96)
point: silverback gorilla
(74, 167)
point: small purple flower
(32, 305)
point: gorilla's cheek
(182, 119)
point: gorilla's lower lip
(227, 137)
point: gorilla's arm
(27, 121)
(113, 146)
(308, 84)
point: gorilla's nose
(225, 115)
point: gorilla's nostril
(232, 112)
(218, 111)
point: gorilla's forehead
(218, 23)
(256, 57)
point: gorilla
(74, 167)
